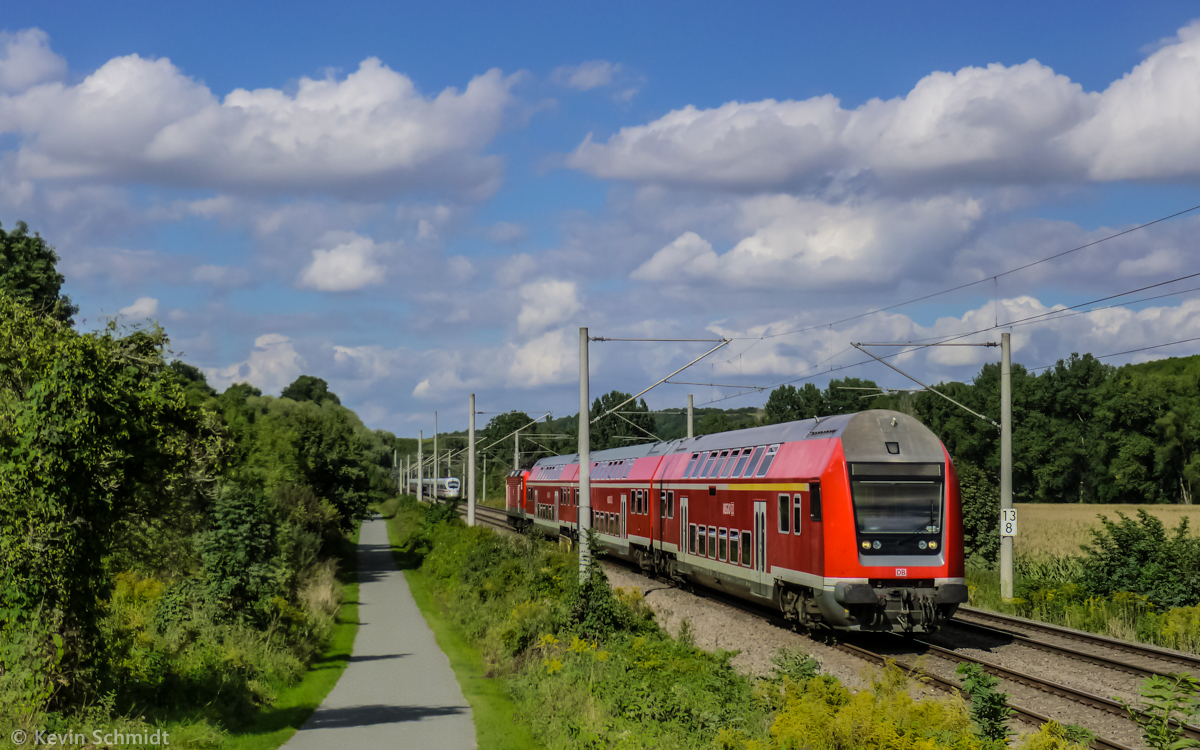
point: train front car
(892, 526)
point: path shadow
(377, 657)
(374, 562)
(365, 716)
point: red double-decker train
(851, 522)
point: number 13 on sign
(1008, 522)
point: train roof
(852, 425)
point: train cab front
(907, 531)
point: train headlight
(866, 545)
(876, 544)
(922, 544)
(933, 545)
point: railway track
(881, 656)
(1148, 660)
(1153, 660)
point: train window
(692, 539)
(702, 549)
(722, 544)
(753, 461)
(641, 501)
(556, 497)
(746, 548)
(691, 465)
(670, 503)
(707, 465)
(785, 512)
(733, 546)
(814, 502)
(766, 462)
(741, 464)
(796, 503)
(716, 467)
(728, 467)
(712, 541)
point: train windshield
(897, 498)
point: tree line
(165, 550)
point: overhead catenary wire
(919, 344)
(994, 278)
(1127, 351)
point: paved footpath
(398, 691)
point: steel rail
(1050, 648)
(1047, 686)
(1028, 715)
(1139, 649)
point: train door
(621, 530)
(760, 540)
(683, 526)
(814, 559)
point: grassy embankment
(274, 725)
(1055, 579)
(544, 658)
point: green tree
(713, 422)
(29, 275)
(631, 425)
(195, 386)
(787, 403)
(499, 438)
(309, 388)
(92, 431)
(980, 511)
(845, 395)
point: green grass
(276, 724)
(492, 709)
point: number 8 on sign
(1008, 522)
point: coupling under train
(851, 522)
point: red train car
(851, 522)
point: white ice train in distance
(446, 488)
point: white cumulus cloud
(26, 60)
(143, 120)
(549, 359)
(546, 303)
(806, 244)
(272, 365)
(586, 75)
(1020, 124)
(144, 307)
(349, 265)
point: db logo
(902, 572)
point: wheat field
(1059, 529)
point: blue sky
(420, 202)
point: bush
(980, 512)
(1138, 556)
